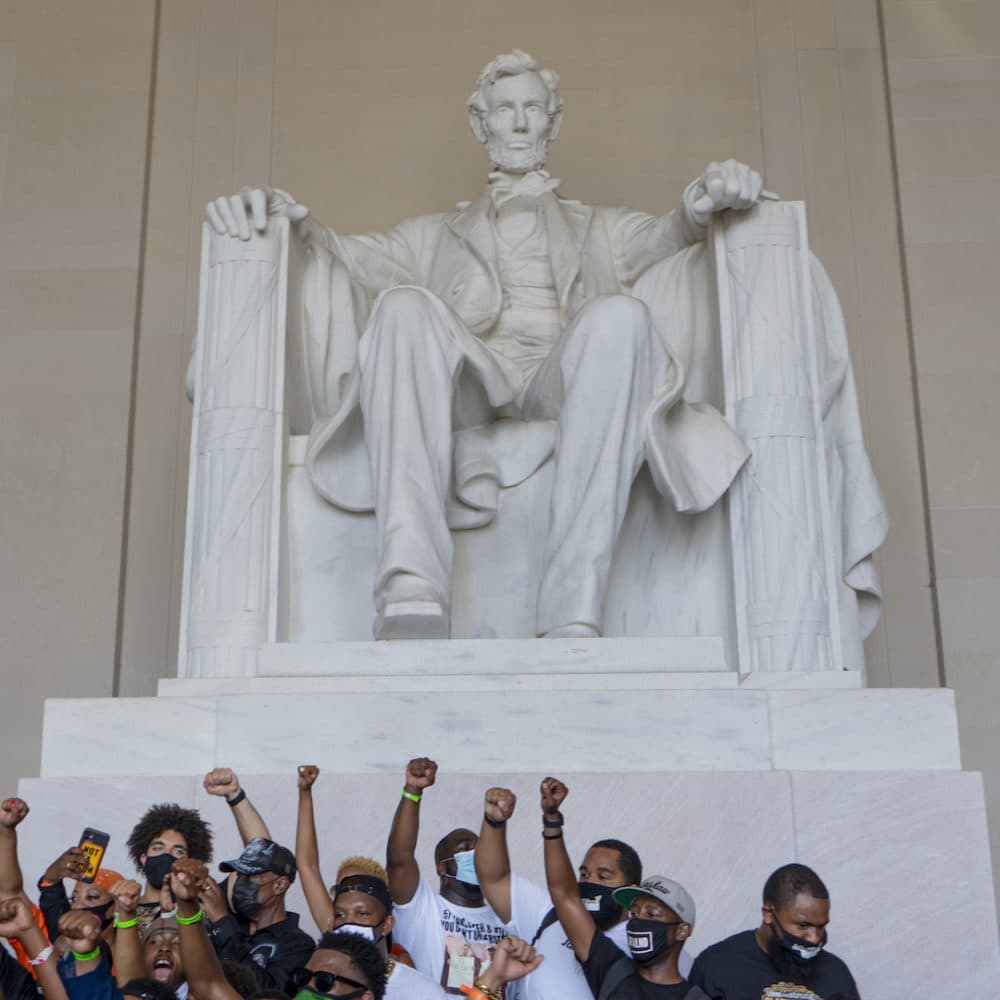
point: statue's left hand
(723, 185)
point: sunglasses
(323, 981)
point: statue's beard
(517, 161)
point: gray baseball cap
(666, 890)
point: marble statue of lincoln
(513, 311)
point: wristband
(42, 957)
(495, 823)
(552, 823)
(90, 955)
(411, 796)
(169, 915)
(125, 923)
(474, 992)
(46, 884)
(236, 799)
(188, 921)
(486, 991)
(552, 836)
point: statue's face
(518, 124)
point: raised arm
(563, 888)
(12, 812)
(492, 858)
(201, 965)
(307, 851)
(223, 782)
(16, 921)
(127, 947)
(400, 851)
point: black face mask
(793, 956)
(648, 940)
(101, 912)
(157, 868)
(600, 904)
(245, 897)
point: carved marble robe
(691, 451)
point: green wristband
(188, 921)
(90, 955)
(125, 923)
(411, 796)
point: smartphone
(93, 843)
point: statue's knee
(620, 321)
(404, 301)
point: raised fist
(308, 773)
(499, 804)
(81, 929)
(513, 958)
(126, 893)
(12, 811)
(554, 793)
(188, 878)
(222, 781)
(15, 917)
(420, 774)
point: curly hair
(170, 816)
(362, 953)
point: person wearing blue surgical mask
(451, 932)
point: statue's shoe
(412, 620)
(575, 630)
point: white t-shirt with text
(450, 944)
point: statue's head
(516, 111)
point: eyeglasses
(324, 981)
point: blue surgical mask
(465, 867)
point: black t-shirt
(604, 954)
(736, 969)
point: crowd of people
(603, 930)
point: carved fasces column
(787, 616)
(232, 593)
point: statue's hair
(512, 63)
(359, 862)
(789, 881)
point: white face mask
(360, 930)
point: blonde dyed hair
(358, 864)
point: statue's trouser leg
(598, 382)
(411, 356)
(409, 363)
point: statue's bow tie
(506, 187)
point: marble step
(556, 727)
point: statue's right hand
(240, 215)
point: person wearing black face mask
(262, 934)
(786, 955)
(528, 910)
(661, 918)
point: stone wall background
(120, 118)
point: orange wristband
(473, 991)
